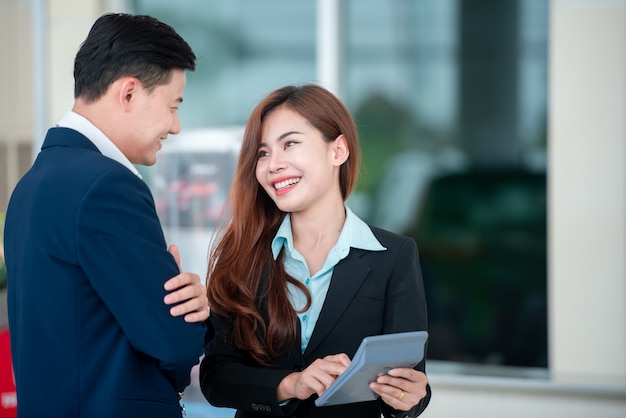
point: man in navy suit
(102, 322)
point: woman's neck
(319, 228)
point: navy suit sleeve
(405, 303)
(121, 247)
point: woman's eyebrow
(286, 134)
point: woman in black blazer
(296, 280)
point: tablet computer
(376, 355)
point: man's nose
(175, 129)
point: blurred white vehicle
(190, 183)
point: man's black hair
(120, 45)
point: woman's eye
(290, 143)
(263, 153)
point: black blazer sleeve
(405, 306)
(230, 378)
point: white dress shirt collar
(81, 124)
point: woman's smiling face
(296, 166)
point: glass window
(450, 99)
(244, 49)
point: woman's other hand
(402, 388)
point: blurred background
(492, 133)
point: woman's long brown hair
(242, 254)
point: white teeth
(286, 183)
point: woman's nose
(277, 162)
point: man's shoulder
(67, 149)
(67, 137)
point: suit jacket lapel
(347, 278)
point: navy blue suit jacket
(371, 293)
(86, 263)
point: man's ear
(127, 89)
(340, 149)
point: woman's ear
(340, 150)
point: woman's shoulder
(388, 238)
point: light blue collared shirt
(355, 234)
(81, 124)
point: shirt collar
(354, 234)
(81, 124)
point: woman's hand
(314, 379)
(401, 389)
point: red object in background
(8, 398)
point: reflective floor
(204, 410)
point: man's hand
(188, 289)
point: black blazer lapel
(347, 278)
